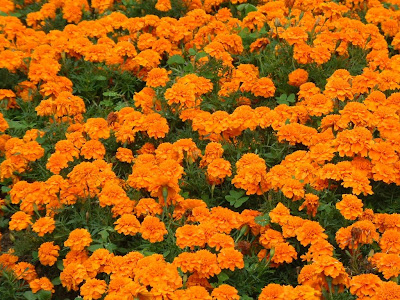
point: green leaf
(245, 297)
(235, 198)
(262, 220)
(56, 281)
(60, 265)
(5, 189)
(29, 295)
(107, 103)
(200, 55)
(100, 78)
(44, 295)
(192, 52)
(34, 254)
(239, 202)
(222, 277)
(111, 247)
(93, 248)
(246, 7)
(176, 59)
(16, 125)
(291, 98)
(188, 68)
(111, 94)
(104, 235)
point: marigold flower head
(78, 239)
(127, 224)
(25, 271)
(225, 292)
(157, 77)
(93, 289)
(19, 221)
(310, 232)
(350, 207)
(152, 229)
(365, 285)
(190, 236)
(42, 283)
(298, 77)
(230, 258)
(44, 225)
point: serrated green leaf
(291, 98)
(222, 277)
(100, 78)
(239, 202)
(262, 220)
(43, 295)
(192, 51)
(93, 248)
(176, 59)
(200, 55)
(29, 295)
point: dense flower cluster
(258, 111)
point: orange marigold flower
(310, 232)
(78, 239)
(387, 264)
(270, 238)
(387, 291)
(350, 207)
(279, 214)
(124, 155)
(93, 149)
(190, 236)
(224, 219)
(44, 225)
(283, 252)
(298, 77)
(203, 262)
(354, 141)
(73, 275)
(42, 283)
(389, 242)
(93, 289)
(148, 206)
(19, 221)
(157, 77)
(338, 88)
(163, 5)
(295, 35)
(152, 229)
(311, 203)
(217, 170)
(127, 224)
(251, 174)
(358, 180)
(221, 240)
(97, 128)
(331, 267)
(273, 291)
(263, 87)
(365, 285)
(225, 292)
(230, 258)
(48, 253)
(24, 270)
